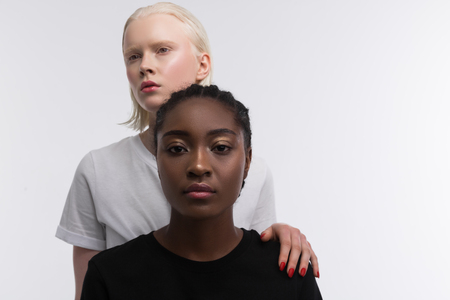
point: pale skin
(156, 49)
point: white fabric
(116, 196)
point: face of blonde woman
(159, 59)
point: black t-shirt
(143, 269)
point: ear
(248, 160)
(204, 67)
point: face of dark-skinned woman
(202, 160)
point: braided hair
(215, 94)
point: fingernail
(303, 272)
(262, 235)
(282, 265)
(291, 273)
(318, 275)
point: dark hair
(212, 92)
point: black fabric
(143, 269)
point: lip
(199, 191)
(149, 86)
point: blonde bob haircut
(196, 33)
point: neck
(147, 136)
(200, 240)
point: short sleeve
(79, 225)
(93, 286)
(265, 214)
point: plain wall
(350, 108)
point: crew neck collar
(201, 266)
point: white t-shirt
(116, 196)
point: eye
(133, 57)
(163, 50)
(177, 149)
(221, 149)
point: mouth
(199, 191)
(149, 86)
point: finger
(296, 249)
(284, 237)
(306, 254)
(267, 234)
(314, 263)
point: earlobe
(248, 160)
(204, 67)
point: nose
(146, 65)
(199, 164)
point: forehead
(200, 115)
(155, 27)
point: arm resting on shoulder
(293, 242)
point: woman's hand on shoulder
(293, 243)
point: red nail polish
(282, 265)
(318, 275)
(303, 272)
(291, 273)
(262, 235)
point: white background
(350, 108)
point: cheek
(234, 177)
(168, 176)
(182, 70)
(132, 79)
(131, 76)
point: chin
(151, 105)
(203, 214)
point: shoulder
(122, 254)
(117, 156)
(259, 180)
(100, 157)
(114, 149)
(259, 172)
(262, 259)
(263, 250)
(131, 260)
(258, 164)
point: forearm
(81, 257)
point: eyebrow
(175, 132)
(211, 132)
(221, 130)
(157, 44)
(130, 49)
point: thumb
(267, 234)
